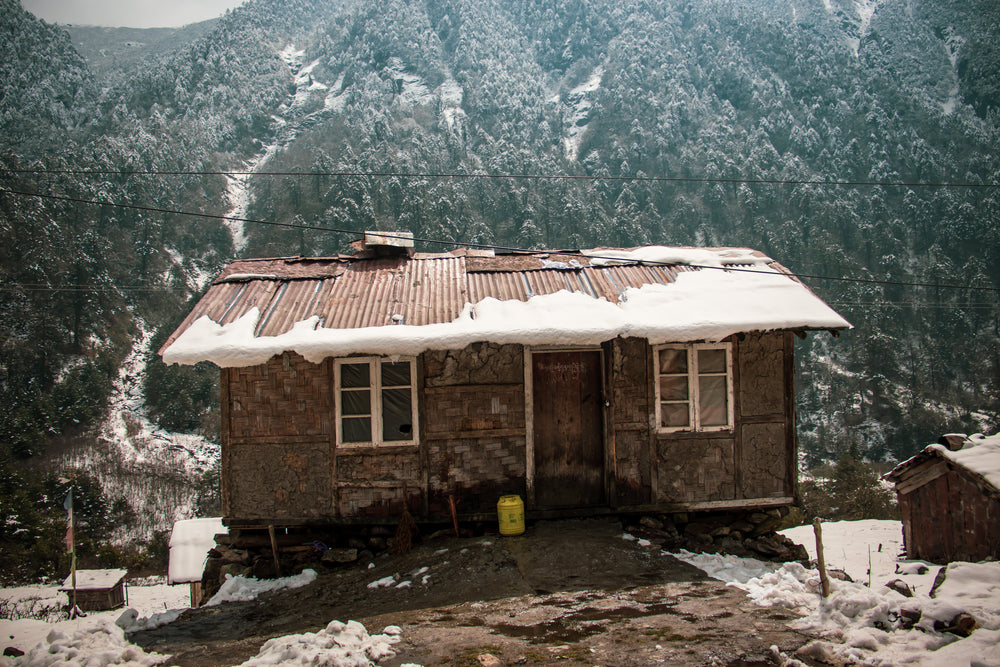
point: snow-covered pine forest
(709, 123)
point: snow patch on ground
(153, 470)
(338, 645)
(410, 89)
(952, 45)
(861, 624)
(580, 103)
(244, 589)
(451, 95)
(74, 642)
(238, 191)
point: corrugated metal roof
(354, 292)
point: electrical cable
(292, 225)
(537, 177)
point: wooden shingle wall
(473, 426)
(766, 442)
(756, 458)
(631, 405)
(276, 440)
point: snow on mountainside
(152, 470)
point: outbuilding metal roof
(350, 292)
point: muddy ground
(566, 592)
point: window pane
(356, 402)
(713, 400)
(673, 388)
(396, 375)
(674, 414)
(355, 375)
(673, 361)
(711, 361)
(397, 417)
(357, 429)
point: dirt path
(570, 591)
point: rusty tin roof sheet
(352, 292)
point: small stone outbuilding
(949, 498)
(641, 380)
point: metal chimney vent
(390, 244)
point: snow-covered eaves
(978, 455)
(327, 307)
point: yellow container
(510, 512)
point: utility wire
(535, 177)
(485, 246)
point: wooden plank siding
(476, 438)
(947, 516)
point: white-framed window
(376, 401)
(694, 387)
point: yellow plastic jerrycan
(510, 512)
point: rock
(938, 580)
(962, 625)
(377, 543)
(768, 525)
(356, 543)
(234, 570)
(742, 526)
(696, 528)
(13, 652)
(757, 517)
(680, 517)
(702, 538)
(338, 555)
(650, 522)
(839, 575)
(798, 553)
(489, 660)
(767, 547)
(721, 531)
(236, 556)
(900, 587)
(263, 568)
(127, 619)
(908, 618)
(728, 545)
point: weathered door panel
(568, 429)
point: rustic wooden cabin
(97, 590)
(649, 379)
(949, 498)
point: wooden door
(568, 429)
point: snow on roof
(190, 542)
(93, 580)
(658, 297)
(980, 454)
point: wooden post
(820, 560)
(274, 550)
(454, 514)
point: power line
(535, 177)
(486, 246)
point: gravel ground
(572, 592)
